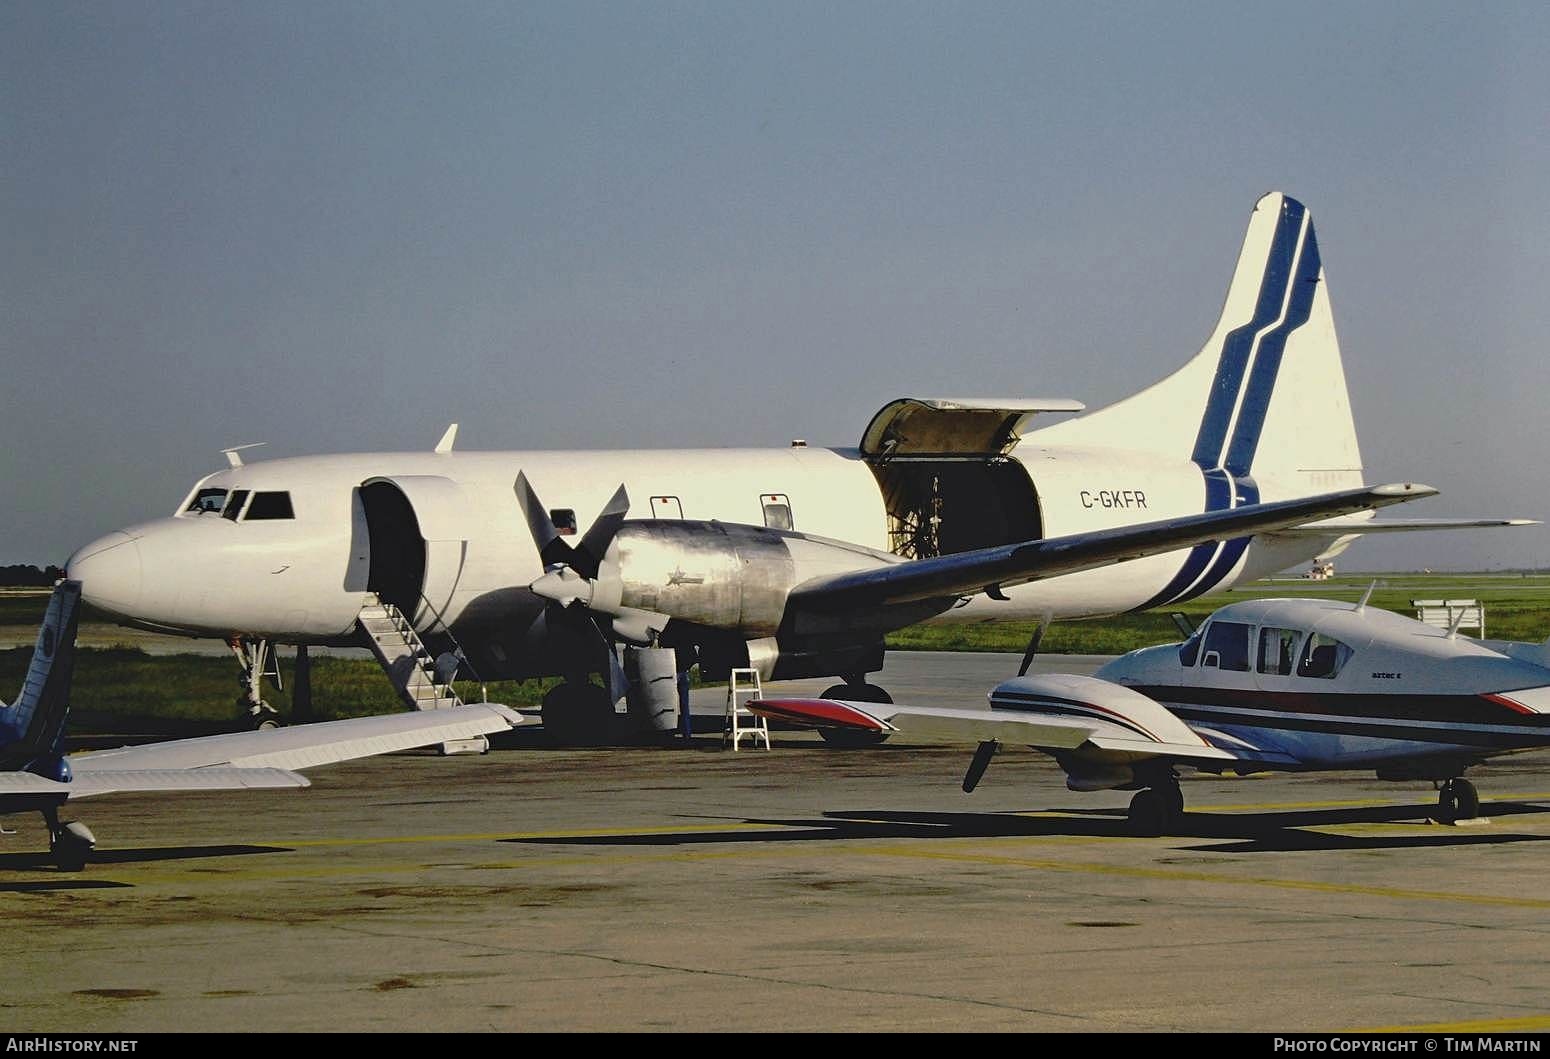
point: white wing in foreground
(303, 746)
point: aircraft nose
(109, 571)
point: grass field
(123, 689)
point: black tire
(1149, 813)
(68, 855)
(1173, 799)
(1458, 800)
(850, 738)
(578, 715)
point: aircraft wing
(302, 746)
(945, 723)
(967, 573)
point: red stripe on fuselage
(1511, 704)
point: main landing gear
(69, 844)
(856, 690)
(1457, 800)
(1157, 809)
(578, 713)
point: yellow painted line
(1182, 875)
(1529, 1024)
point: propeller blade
(551, 549)
(977, 766)
(1033, 647)
(594, 545)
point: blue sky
(337, 227)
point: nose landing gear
(1457, 800)
(257, 659)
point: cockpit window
(234, 505)
(269, 506)
(1277, 648)
(1189, 650)
(1227, 646)
(207, 500)
(1323, 657)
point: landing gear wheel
(1457, 800)
(578, 715)
(1150, 812)
(849, 738)
(71, 845)
(1173, 798)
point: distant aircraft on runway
(36, 776)
(1296, 685)
(796, 562)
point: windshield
(207, 500)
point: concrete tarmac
(797, 889)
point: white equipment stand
(741, 721)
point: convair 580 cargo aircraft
(794, 561)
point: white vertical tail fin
(1265, 400)
(31, 729)
(1262, 410)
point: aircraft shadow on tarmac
(1257, 832)
(41, 861)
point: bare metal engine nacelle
(715, 574)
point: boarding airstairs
(423, 681)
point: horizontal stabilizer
(307, 745)
(1400, 525)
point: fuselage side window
(270, 506)
(1323, 657)
(1277, 648)
(234, 505)
(211, 500)
(1227, 646)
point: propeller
(1033, 645)
(579, 584)
(981, 760)
(586, 557)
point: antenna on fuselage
(1361, 604)
(234, 454)
(448, 439)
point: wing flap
(118, 781)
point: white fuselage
(304, 578)
(1393, 689)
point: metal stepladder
(743, 684)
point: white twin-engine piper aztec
(1297, 685)
(793, 561)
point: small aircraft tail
(1266, 399)
(32, 728)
